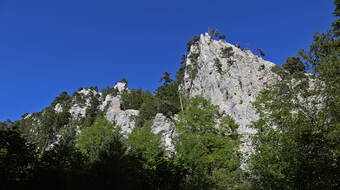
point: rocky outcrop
(122, 118)
(230, 77)
(166, 128)
(120, 86)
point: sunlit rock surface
(242, 76)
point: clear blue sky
(47, 47)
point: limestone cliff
(231, 77)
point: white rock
(87, 91)
(54, 141)
(112, 101)
(122, 118)
(27, 116)
(235, 88)
(77, 111)
(121, 86)
(162, 125)
(58, 108)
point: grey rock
(166, 128)
(122, 118)
(235, 87)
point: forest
(296, 147)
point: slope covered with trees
(72, 144)
(297, 144)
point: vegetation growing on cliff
(302, 150)
(297, 145)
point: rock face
(162, 125)
(229, 76)
(58, 108)
(120, 86)
(122, 118)
(79, 109)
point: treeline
(165, 100)
(205, 157)
(297, 145)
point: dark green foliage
(117, 169)
(183, 59)
(181, 70)
(241, 47)
(109, 91)
(147, 110)
(298, 153)
(100, 159)
(16, 158)
(60, 167)
(261, 52)
(95, 88)
(293, 65)
(222, 37)
(279, 71)
(166, 100)
(261, 68)
(180, 74)
(240, 83)
(218, 66)
(132, 99)
(230, 62)
(297, 145)
(194, 40)
(142, 142)
(336, 23)
(40, 131)
(64, 167)
(146, 146)
(96, 138)
(166, 79)
(3, 126)
(145, 102)
(6, 124)
(193, 57)
(302, 151)
(193, 67)
(79, 99)
(91, 111)
(192, 70)
(167, 96)
(124, 80)
(208, 153)
(227, 52)
(63, 99)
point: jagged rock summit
(231, 77)
(231, 82)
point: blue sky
(47, 47)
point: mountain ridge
(229, 76)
